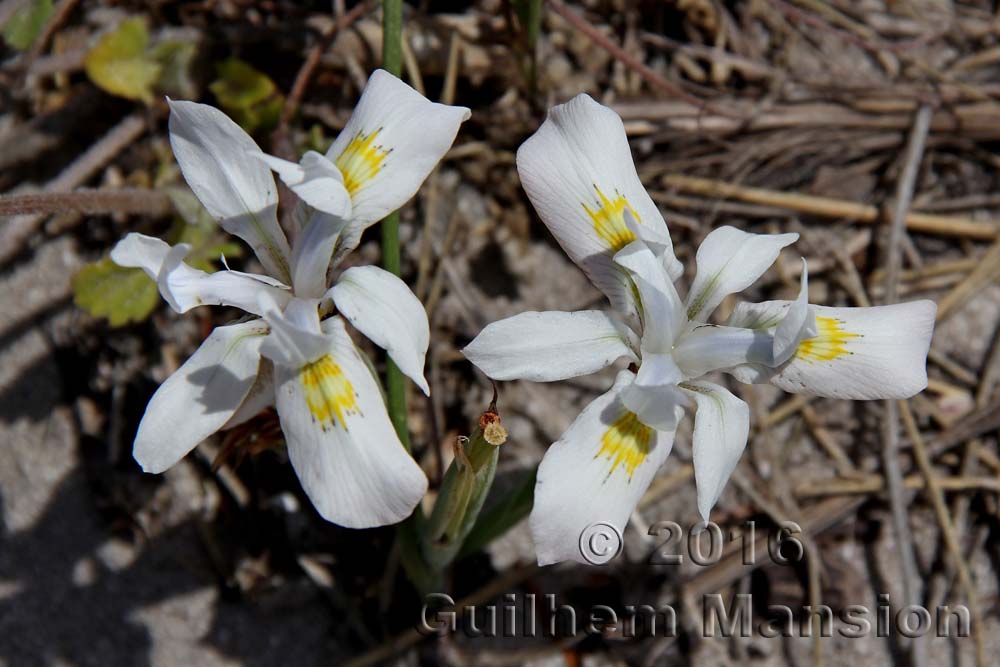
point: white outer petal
(234, 188)
(579, 149)
(418, 133)
(552, 345)
(383, 308)
(888, 359)
(730, 260)
(200, 397)
(357, 474)
(721, 427)
(574, 488)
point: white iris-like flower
(578, 173)
(340, 439)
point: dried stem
(126, 200)
(826, 207)
(898, 500)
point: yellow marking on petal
(830, 343)
(328, 392)
(626, 443)
(608, 217)
(361, 160)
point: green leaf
(23, 27)
(247, 95)
(119, 294)
(119, 62)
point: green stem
(392, 56)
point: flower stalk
(392, 57)
(463, 491)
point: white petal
(200, 396)
(578, 172)
(259, 398)
(295, 338)
(721, 427)
(709, 347)
(141, 251)
(654, 396)
(863, 353)
(799, 323)
(312, 253)
(340, 440)
(596, 472)
(548, 346)
(237, 190)
(315, 179)
(393, 140)
(661, 311)
(383, 308)
(184, 287)
(729, 261)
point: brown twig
(127, 200)
(936, 496)
(898, 501)
(826, 207)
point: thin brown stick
(936, 496)
(876, 484)
(126, 200)
(898, 500)
(826, 207)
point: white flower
(340, 439)
(579, 175)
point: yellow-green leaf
(23, 27)
(118, 294)
(119, 62)
(249, 96)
